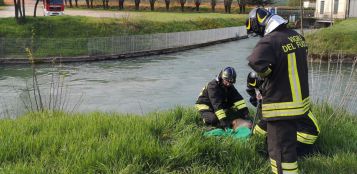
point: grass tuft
(86, 27)
(160, 142)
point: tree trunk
(91, 3)
(23, 8)
(76, 1)
(16, 10)
(213, 6)
(87, 3)
(35, 9)
(182, 6)
(197, 6)
(152, 5)
(121, 4)
(167, 3)
(105, 4)
(70, 3)
(19, 10)
(137, 4)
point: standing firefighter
(280, 59)
(307, 127)
(219, 102)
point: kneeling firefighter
(219, 102)
(307, 127)
(280, 59)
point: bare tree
(137, 4)
(70, 3)
(16, 10)
(227, 6)
(182, 2)
(198, 3)
(152, 4)
(35, 9)
(23, 8)
(241, 4)
(19, 5)
(213, 5)
(89, 5)
(167, 3)
(261, 3)
(19, 10)
(105, 4)
(121, 4)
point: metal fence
(64, 47)
(287, 13)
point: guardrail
(15, 48)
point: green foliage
(76, 27)
(281, 2)
(340, 38)
(1, 2)
(294, 3)
(160, 142)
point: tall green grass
(340, 38)
(161, 142)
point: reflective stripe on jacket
(281, 58)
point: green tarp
(240, 133)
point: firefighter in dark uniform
(307, 127)
(219, 102)
(280, 59)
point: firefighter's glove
(253, 101)
(224, 123)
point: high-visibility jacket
(281, 58)
(217, 98)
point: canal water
(147, 84)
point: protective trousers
(306, 135)
(282, 144)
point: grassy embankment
(73, 32)
(161, 142)
(338, 39)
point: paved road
(30, 4)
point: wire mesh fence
(70, 47)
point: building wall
(353, 8)
(341, 11)
(308, 4)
